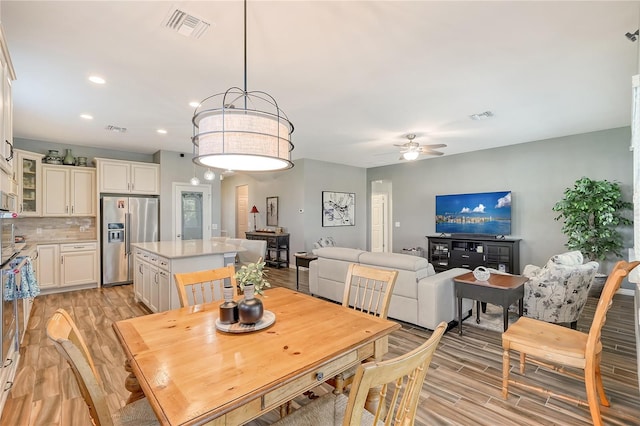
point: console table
(277, 247)
(446, 252)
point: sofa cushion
(339, 253)
(399, 261)
(411, 269)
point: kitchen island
(156, 262)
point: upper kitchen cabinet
(7, 75)
(29, 175)
(68, 191)
(128, 177)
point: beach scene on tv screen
(482, 213)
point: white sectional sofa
(420, 296)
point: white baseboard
(626, 291)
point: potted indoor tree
(593, 211)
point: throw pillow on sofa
(324, 242)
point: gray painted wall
(174, 168)
(300, 188)
(537, 173)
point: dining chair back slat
(404, 375)
(401, 377)
(369, 289)
(205, 286)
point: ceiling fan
(411, 150)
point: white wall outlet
(83, 229)
(38, 230)
(397, 224)
(214, 226)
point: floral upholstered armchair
(558, 291)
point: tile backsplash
(42, 229)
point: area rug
(492, 319)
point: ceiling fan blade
(436, 145)
(430, 152)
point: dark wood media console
(446, 252)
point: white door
(191, 211)
(242, 210)
(379, 235)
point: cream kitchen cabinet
(152, 280)
(7, 75)
(28, 170)
(48, 266)
(128, 177)
(62, 266)
(68, 191)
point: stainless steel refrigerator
(125, 220)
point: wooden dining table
(192, 373)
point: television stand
(469, 252)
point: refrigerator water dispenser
(115, 232)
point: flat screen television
(486, 213)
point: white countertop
(189, 248)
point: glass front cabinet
(29, 175)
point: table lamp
(254, 210)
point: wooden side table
(302, 259)
(499, 289)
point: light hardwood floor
(463, 386)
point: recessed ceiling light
(194, 104)
(97, 80)
(86, 116)
(162, 131)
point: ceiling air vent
(116, 129)
(185, 24)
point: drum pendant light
(242, 130)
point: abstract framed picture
(338, 208)
(272, 211)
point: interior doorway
(242, 210)
(381, 216)
(191, 211)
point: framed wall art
(272, 211)
(338, 208)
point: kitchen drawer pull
(319, 376)
(8, 386)
(465, 256)
(8, 362)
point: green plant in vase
(253, 273)
(251, 279)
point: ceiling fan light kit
(411, 150)
(242, 130)
(410, 155)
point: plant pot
(597, 285)
(250, 309)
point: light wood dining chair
(204, 286)
(368, 290)
(398, 382)
(64, 334)
(556, 347)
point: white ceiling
(354, 77)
